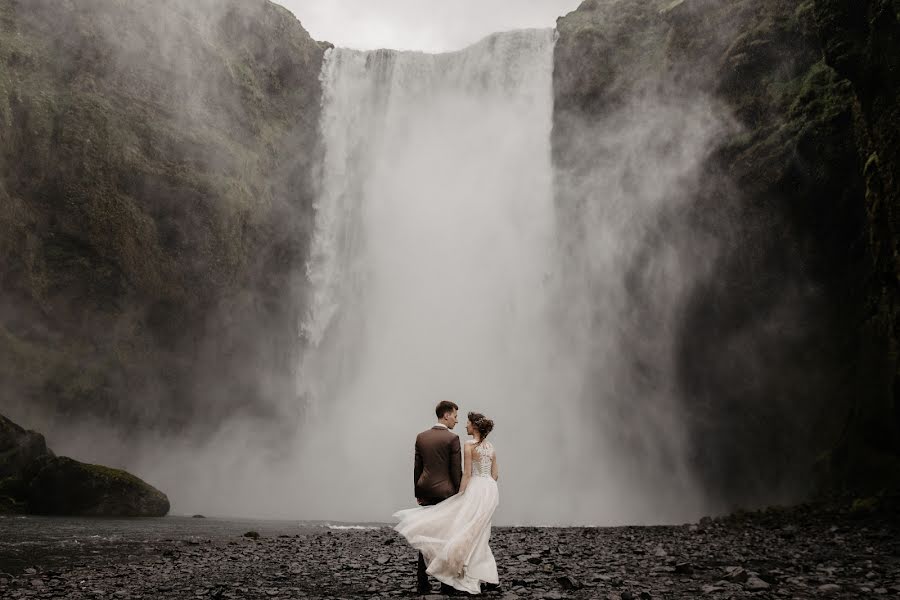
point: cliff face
(155, 206)
(156, 172)
(791, 325)
(33, 479)
(862, 44)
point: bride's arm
(467, 468)
(494, 472)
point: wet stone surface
(801, 553)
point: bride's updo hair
(481, 423)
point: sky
(427, 25)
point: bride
(453, 535)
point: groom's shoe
(423, 587)
(449, 590)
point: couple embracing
(452, 525)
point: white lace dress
(453, 535)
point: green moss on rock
(34, 480)
(796, 201)
(62, 486)
(155, 171)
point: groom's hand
(420, 501)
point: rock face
(62, 486)
(19, 448)
(791, 323)
(155, 206)
(34, 480)
(861, 42)
(156, 189)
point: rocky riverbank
(797, 553)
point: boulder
(18, 448)
(34, 480)
(62, 486)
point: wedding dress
(453, 535)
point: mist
(428, 227)
(421, 25)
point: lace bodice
(482, 459)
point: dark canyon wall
(155, 207)
(787, 346)
(156, 187)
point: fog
(441, 271)
(446, 264)
(450, 259)
(423, 25)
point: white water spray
(435, 274)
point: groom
(438, 469)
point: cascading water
(435, 274)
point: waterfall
(435, 273)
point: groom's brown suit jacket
(438, 465)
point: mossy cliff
(861, 42)
(156, 189)
(155, 206)
(786, 347)
(34, 480)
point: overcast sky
(429, 25)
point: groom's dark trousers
(436, 474)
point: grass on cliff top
(116, 475)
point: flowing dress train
(453, 535)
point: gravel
(796, 553)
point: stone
(736, 574)
(756, 584)
(34, 480)
(19, 448)
(62, 486)
(569, 583)
(829, 588)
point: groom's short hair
(443, 407)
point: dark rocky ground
(797, 553)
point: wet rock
(736, 574)
(567, 582)
(19, 448)
(829, 588)
(62, 486)
(349, 564)
(755, 584)
(254, 535)
(34, 480)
